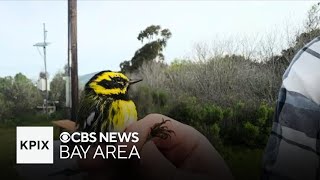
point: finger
(143, 128)
(154, 165)
(177, 147)
(205, 159)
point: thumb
(153, 164)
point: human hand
(186, 154)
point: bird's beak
(134, 81)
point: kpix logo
(34, 145)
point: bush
(186, 111)
(215, 130)
(227, 125)
(159, 98)
(250, 133)
(212, 114)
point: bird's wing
(91, 113)
(88, 112)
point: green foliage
(186, 110)
(215, 129)
(150, 51)
(150, 100)
(265, 115)
(218, 124)
(244, 163)
(58, 90)
(228, 113)
(18, 95)
(159, 98)
(212, 114)
(250, 133)
(19, 98)
(152, 31)
(143, 94)
(177, 64)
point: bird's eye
(122, 83)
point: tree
(24, 95)
(5, 104)
(157, 41)
(58, 89)
(18, 95)
(311, 31)
(313, 19)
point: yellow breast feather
(121, 114)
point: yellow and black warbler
(105, 105)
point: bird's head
(108, 83)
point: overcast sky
(107, 30)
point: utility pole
(44, 45)
(73, 56)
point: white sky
(107, 30)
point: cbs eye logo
(64, 137)
(77, 137)
(34, 145)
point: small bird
(105, 105)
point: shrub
(212, 114)
(250, 133)
(215, 129)
(159, 98)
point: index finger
(177, 147)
